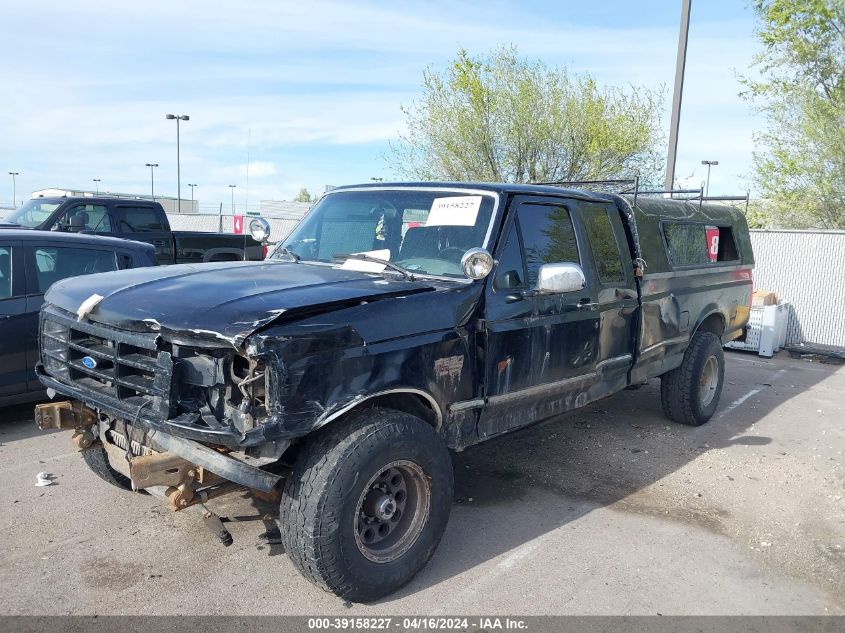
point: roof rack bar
(559, 183)
(673, 191)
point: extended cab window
(95, 218)
(5, 272)
(140, 220)
(53, 263)
(696, 244)
(606, 252)
(548, 237)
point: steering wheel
(451, 251)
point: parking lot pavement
(609, 510)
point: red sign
(239, 225)
(712, 233)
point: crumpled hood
(225, 301)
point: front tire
(367, 503)
(690, 393)
(98, 461)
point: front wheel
(367, 503)
(690, 394)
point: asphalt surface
(609, 510)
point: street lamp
(192, 185)
(14, 185)
(178, 117)
(709, 163)
(232, 187)
(152, 179)
(97, 184)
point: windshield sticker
(363, 266)
(454, 211)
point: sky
(308, 93)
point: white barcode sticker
(454, 211)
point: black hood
(225, 301)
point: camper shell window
(696, 244)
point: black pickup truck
(139, 220)
(397, 321)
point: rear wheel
(98, 461)
(367, 503)
(690, 394)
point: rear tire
(690, 394)
(98, 461)
(367, 503)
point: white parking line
(733, 405)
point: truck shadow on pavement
(514, 489)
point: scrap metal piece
(213, 523)
(64, 415)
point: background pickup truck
(140, 220)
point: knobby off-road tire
(367, 502)
(98, 461)
(690, 394)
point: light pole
(677, 96)
(178, 117)
(709, 163)
(152, 179)
(13, 174)
(232, 187)
(97, 184)
(192, 185)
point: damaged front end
(188, 418)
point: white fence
(807, 269)
(279, 227)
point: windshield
(423, 231)
(33, 213)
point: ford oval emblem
(90, 363)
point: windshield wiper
(289, 253)
(407, 274)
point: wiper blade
(289, 253)
(407, 274)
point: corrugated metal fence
(807, 269)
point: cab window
(95, 218)
(548, 237)
(53, 263)
(606, 251)
(5, 272)
(140, 220)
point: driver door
(541, 348)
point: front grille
(131, 367)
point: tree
(304, 196)
(503, 118)
(800, 156)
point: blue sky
(313, 89)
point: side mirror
(77, 223)
(560, 278)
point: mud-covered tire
(690, 393)
(98, 461)
(321, 509)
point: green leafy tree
(503, 118)
(800, 156)
(304, 196)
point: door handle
(158, 243)
(586, 304)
